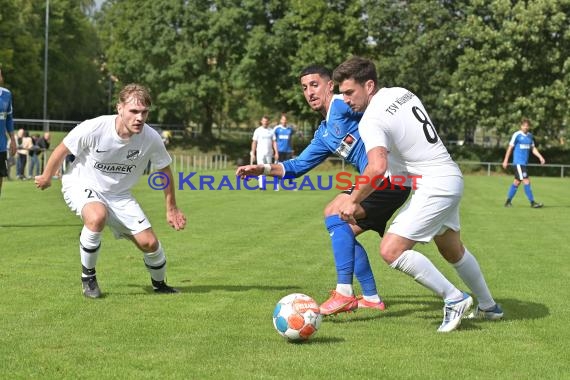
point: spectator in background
(24, 144)
(11, 159)
(43, 144)
(34, 164)
(7, 140)
(166, 137)
(522, 143)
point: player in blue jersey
(521, 144)
(284, 138)
(6, 130)
(338, 134)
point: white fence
(493, 167)
(187, 163)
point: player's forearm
(373, 174)
(366, 183)
(273, 170)
(169, 191)
(170, 198)
(12, 143)
(276, 170)
(508, 154)
(55, 160)
(537, 154)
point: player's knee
(330, 209)
(388, 253)
(333, 207)
(94, 217)
(149, 244)
(393, 246)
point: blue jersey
(283, 136)
(6, 120)
(523, 144)
(337, 134)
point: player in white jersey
(111, 153)
(264, 147)
(397, 130)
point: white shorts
(264, 158)
(429, 213)
(125, 216)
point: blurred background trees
(477, 65)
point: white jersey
(397, 120)
(107, 163)
(264, 138)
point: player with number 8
(397, 131)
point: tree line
(474, 63)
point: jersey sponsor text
(114, 168)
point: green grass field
(244, 250)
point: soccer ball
(296, 317)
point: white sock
(423, 271)
(375, 298)
(470, 272)
(89, 244)
(345, 289)
(261, 180)
(156, 263)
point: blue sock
(342, 239)
(363, 271)
(512, 191)
(528, 192)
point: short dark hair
(357, 68)
(322, 71)
(525, 120)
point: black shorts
(3, 164)
(520, 172)
(380, 206)
(284, 156)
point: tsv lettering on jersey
(114, 168)
(392, 108)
